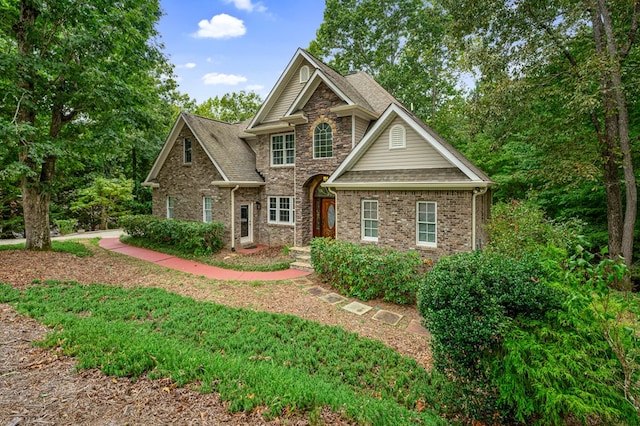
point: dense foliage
(367, 272)
(193, 237)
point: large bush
(518, 348)
(367, 272)
(194, 237)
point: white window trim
(171, 205)
(292, 211)
(403, 137)
(184, 151)
(362, 219)
(204, 209)
(314, 141)
(284, 150)
(426, 243)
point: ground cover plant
(72, 247)
(255, 360)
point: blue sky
(222, 46)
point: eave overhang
(273, 128)
(442, 186)
(233, 184)
(357, 110)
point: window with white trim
(369, 220)
(281, 210)
(207, 209)
(187, 151)
(283, 149)
(397, 137)
(426, 223)
(304, 74)
(323, 141)
(170, 207)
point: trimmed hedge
(367, 272)
(196, 237)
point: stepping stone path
(358, 308)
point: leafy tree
(104, 199)
(560, 75)
(76, 76)
(231, 107)
(401, 44)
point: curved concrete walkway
(192, 267)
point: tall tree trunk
(617, 145)
(35, 205)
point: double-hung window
(281, 210)
(323, 141)
(369, 220)
(187, 150)
(283, 149)
(426, 223)
(170, 207)
(207, 209)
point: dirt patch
(41, 387)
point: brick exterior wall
(397, 219)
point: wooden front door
(324, 217)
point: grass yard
(255, 360)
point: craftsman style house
(326, 155)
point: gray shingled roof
(221, 140)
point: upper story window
(369, 220)
(304, 74)
(323, 141)
(426, 223)
(170, 207)
(207, 209)
(187, 150)
(397, 137)
(283, 149)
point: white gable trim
(168, 145)
(280, 85)
(309, 89)
(386, 118)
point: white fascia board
(310, 87)
(406, 185)
(232, 184)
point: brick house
(326, 155)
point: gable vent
(397, 137)
(304, 74)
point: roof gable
(441, 153)
(230, 155)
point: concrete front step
(302, 256)
(301, 266)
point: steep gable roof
(231, 155)
(460, 172)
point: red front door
(324, 217)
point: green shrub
(367, 272)
(193, 237)
(518, 228)
(469, 302)
(66, 226)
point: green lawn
(67, 246)
(250, 358)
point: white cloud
(221, 26)
(217, 78)
(188, 65)
(248, 5)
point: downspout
(476, 192)
(233, 219)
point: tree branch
(632, 30)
